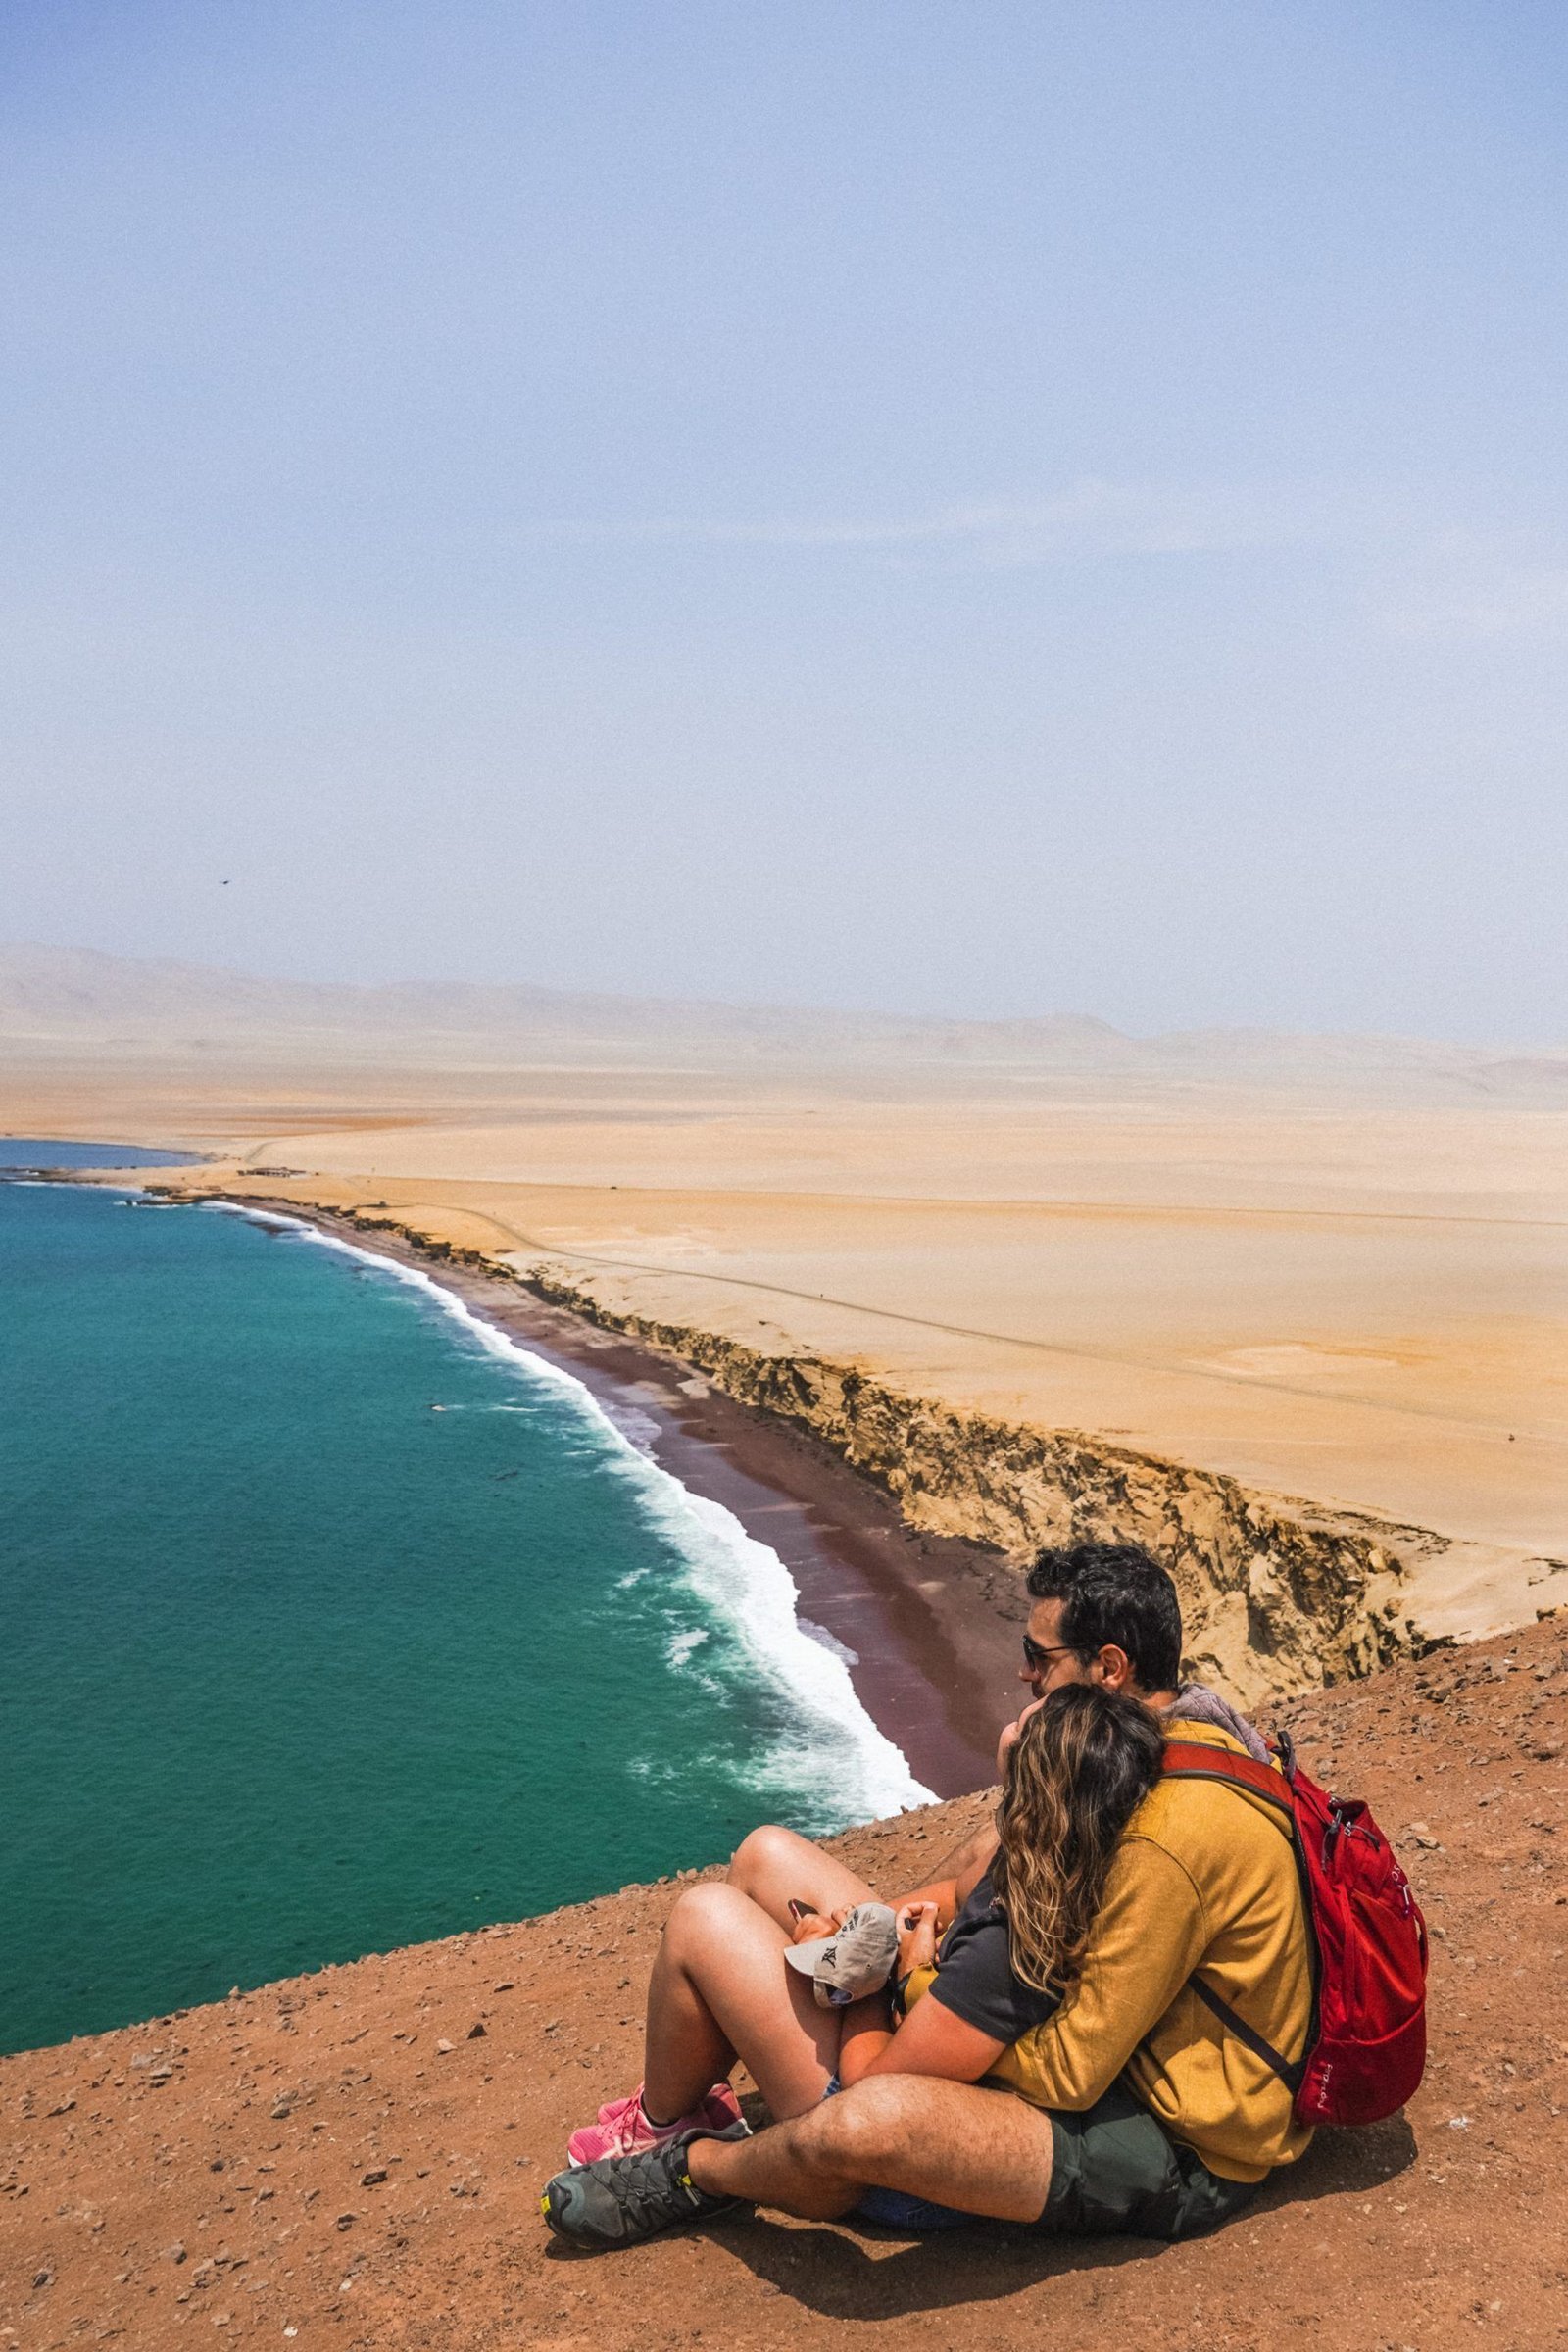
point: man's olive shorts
(1115, 2173)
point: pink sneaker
(720, 2106)
(622, 2129)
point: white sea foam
(633, 1423)
(829, 1642)
(836, 1758)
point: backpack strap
(1293, 2077)
(1192, 1760)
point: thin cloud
(1461, 583)
(1090, 519)
(1464, 586)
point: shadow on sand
(841, 2270)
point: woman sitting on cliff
(1015, 1931)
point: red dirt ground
(352, 2159)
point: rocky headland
(1279, 1593)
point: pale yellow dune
(1363, 1305)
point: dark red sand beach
(933, 1621)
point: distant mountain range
(76, 1000)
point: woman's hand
(917, 1937)
(809, 1925)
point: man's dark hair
(1115, 1593)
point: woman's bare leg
(773, 1866)
(719, 1991)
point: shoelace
(636, 2118)
(635, 2115)
(644, 2195)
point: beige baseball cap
(857, 1958)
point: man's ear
(1115, 1667)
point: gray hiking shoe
(622, 2199)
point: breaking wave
(832, 1764)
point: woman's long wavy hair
(1076, 1774)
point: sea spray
(743, 1582)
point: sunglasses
(1038, 1658)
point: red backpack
(1367, 2045)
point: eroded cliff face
(1277, 1596)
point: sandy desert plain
(1334, 1270)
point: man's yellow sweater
(1205, 1878)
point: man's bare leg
(720, 1989)
(983, 2151)
(776, 1867)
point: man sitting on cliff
(1133, 2107)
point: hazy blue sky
(974, 507)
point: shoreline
(933, 1621)
(1281, 1594)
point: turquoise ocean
(331, 1619)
